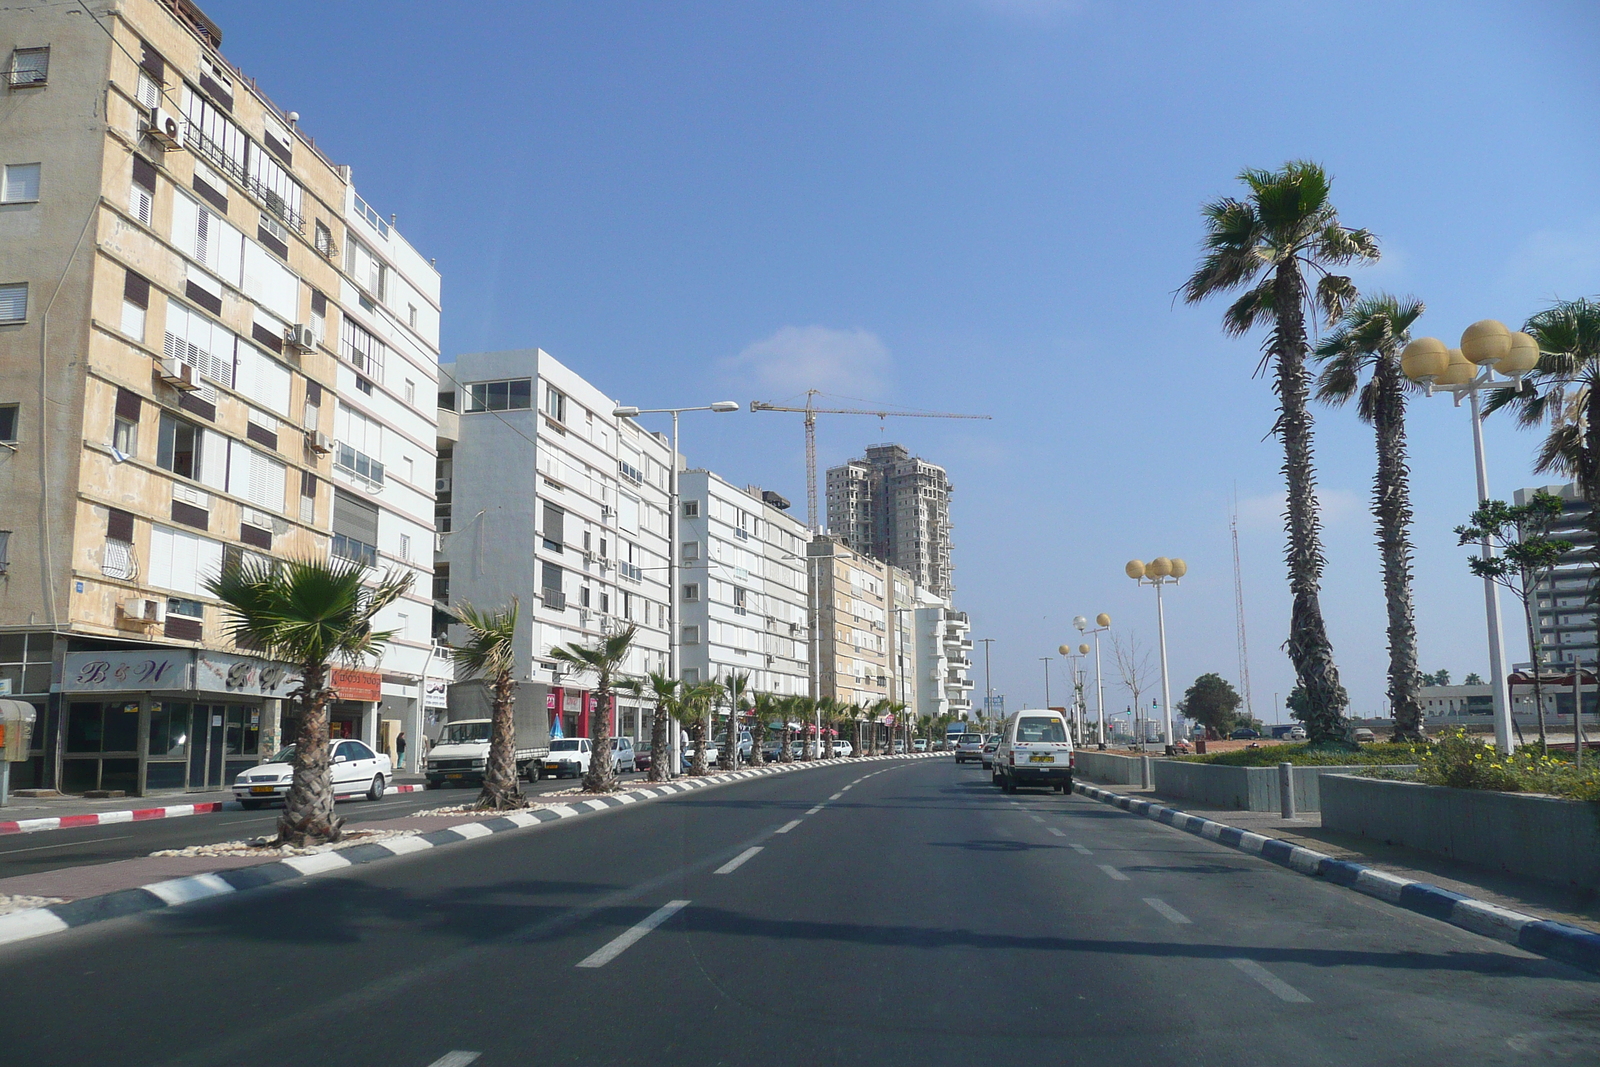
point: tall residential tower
(895, 507)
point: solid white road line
(814, 810)
(1167, 911)
(69, 844)
(1112, 873)
(786, 827)
(1053, 830)
(737, 861)
(1080, 850)
(621, 943)
(455, 1059)
(1271, 982)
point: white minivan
(1035, 749)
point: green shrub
(1307, 755)
(1465, 762)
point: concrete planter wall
(1240, 788)
(1107, 768)
(1547, 838)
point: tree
(1213, 703)
(1473, 678)
(1286, 226)
(1526, 558)
(664, 691)
(604, 658)
(1369, 339)
(311, 613)
(766, 704)
(1132, 663)
(693, 711)
(734, 689)
(1441, 677)
(490, 654)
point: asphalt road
(917, 917)
(79, 846)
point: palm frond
(491, 646)
(1251, 309)
(1335, 293)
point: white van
(1035, 749)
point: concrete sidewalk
(1576, 907)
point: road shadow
(992, 845)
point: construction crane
(811, 411)
(1238, 614)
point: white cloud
(1266, 512)
(797, 358)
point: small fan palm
(665, 692)
(765, 705)
(312, 613)
(735, 690)
(1286, 226)
(490, 654)
(604, 659)
(1368, 341)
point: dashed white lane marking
(620, 944)
(455, 1059)
(737, 861)
(1035, 818)
(1053, 830)
(814, 810)
(1080, 850)
(1271, 982)
(1167, 911)
(786, 827)
(1112, 873)
(837, 795)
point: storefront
(166, 721)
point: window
(363, 351)
(513, 395)
(270, 183)
(583, 596)
(30, 66)
(178, 447)
(257, 477)
(691, 509)
(355, 528)
(405, 547)
(739, 601)
(8, 422)
(14, 302)
(691, 676)
(149, 91)
(363, 385)
(411, 392)
(555, 404)
(691, 592)
(125, 437)
(550, 587)
(691, 551)
(605, 602)
(555, 527)
(411, 315)
(441, 582)
(135, 301)
(308, 497)
(367, 270)
(142, 190)
(324, 240)
(21, 184)
(312, 414)
(691, 635)
(360, 441)
(182, 561)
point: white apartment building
(905, 682)
(546, 497)
(1563, 612)
(240, 361)
(742, 578)
(944, 663)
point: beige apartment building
(210, 347)
(852, 593)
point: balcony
(449, 431)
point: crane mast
(1238, 613)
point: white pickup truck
(462, 752)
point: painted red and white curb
(55, 918)
(171, 811)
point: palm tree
(703, 698)
(875, 715)
(664, 690)
(1369, 339)
(312, 613)
(605, 658)
(766, 705)
(689, 711)
(1286, 226)
(490, 654)
(734, 689)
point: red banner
(357, 685)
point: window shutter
(308, 484)
(128, 405)
(136, 290)
(555, 521)
(14, 302)
(313, 392)
(144, 173)
(119, 525)
(319, 302)
(354, 517)
(153, 65)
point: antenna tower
(1238, 614)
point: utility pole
(988, 690)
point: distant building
(851, 594)
(944, 659)
(1564, 613)
(895, 508)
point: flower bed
(1306, 755)
(1463, 762)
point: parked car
(1297, 733)
(920, 744)
(1244, 733)
(772, 751)
(568, 758)
(986, 754)
(461, 752)
(746, 745)
(641, 756)
(969, 747)
(1365, 736)
(356, 770)
(1035, 748)
(899, 747)
(842, 748)
(623, 760)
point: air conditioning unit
(166, 127)
(441, 485)
(141, 610)
(178, 374)
(318, 442)
(300, 336)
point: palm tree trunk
(1309, 648)
(500, 789)
(1392, 504)
(600, 779)
(728, 758)
(758, 737)
(702, 728)
(308, 817)
(658, 746)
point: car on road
(1365, 736)
(623, 759)
(642, 756)
(356, 770)
(1035, 749)
(1244, 733)
(772, 751)
(569, 758)
(1297, 733)
(986, 754)
(969, 747)
(920, 744)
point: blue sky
(985, 206)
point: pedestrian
(400, 749)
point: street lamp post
(675, 633)
(1079, 712)
(1102, 623)
(988, 690)
(1046, 661)
(1161, 572)
(1487, 348)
